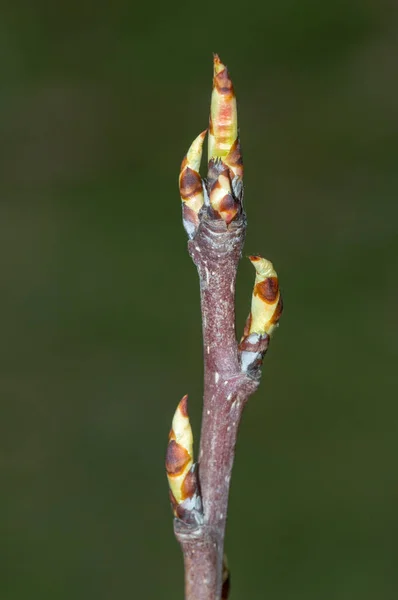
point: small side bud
(266, 310)
(190, 183)
(181, 470)
(266, 300)
(222, 198)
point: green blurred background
(101, 327)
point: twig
(215, 222)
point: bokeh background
(101, 331)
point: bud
(266, 310)
(224, 154)
(223, 123)
(222, 198)
(222, 191)
(190, 183)
(266, 300)
(181, 470)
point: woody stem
(216, 250)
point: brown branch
(216, 251)
(216, 223)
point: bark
(216, 250)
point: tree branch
(215, 221)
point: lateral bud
(181, 471)
(266, 309)
(191, 187)
(222, 197)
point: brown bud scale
(234, 160)
(177, 459)
(190, 184)
(267, 289)
(189, 485)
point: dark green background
(100, 308)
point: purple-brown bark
(216, 250)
